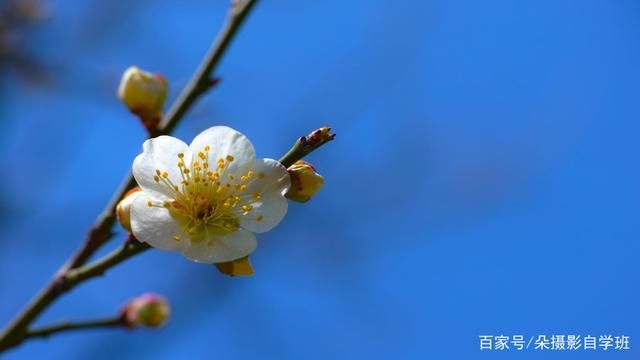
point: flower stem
(46, 331)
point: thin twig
(46, 331)
(130, 248)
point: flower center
(208, 200)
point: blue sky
(484, 178)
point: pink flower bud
(149, 310)
(320, 135)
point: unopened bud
(239, 267)
(143, 93)
(149, 310)
(320, 135)
(305, 181)
(123, 210)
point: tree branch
(129, 249)
(101, 231)
(73, 272)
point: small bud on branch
(144, 94)
(148, 310)
(307, 144)
(305, 181)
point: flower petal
(225, 248)
(270, 182)
(155, 226)
(266, 213)
(160, 153)
(225, 141)
(271, 177)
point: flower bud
(320, 135)
(149, 310)
(143, 93)
(305, 181)
(123, 210)
(239, 267)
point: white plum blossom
(206, 199)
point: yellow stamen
(205, 202)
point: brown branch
(46, 331)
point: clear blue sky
(484, 179)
